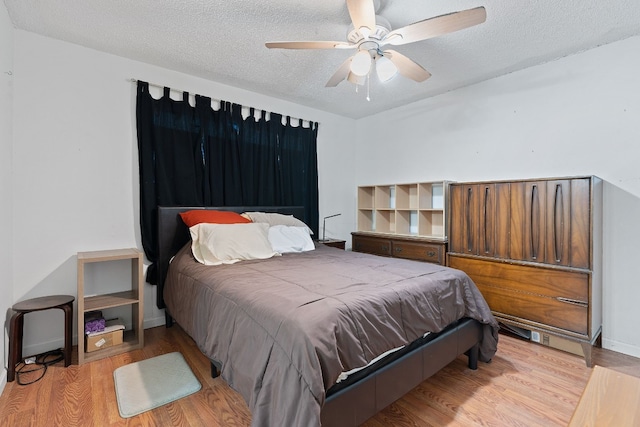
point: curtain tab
(143, 87)
(167, 91)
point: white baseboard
(41, 347)
(630, 350)
(152, 323)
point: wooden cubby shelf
(416, 209)
(133, 338)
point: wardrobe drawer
(553, 297)
(535, 308)
(548, 282)
(418, 251)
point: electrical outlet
(535, 336)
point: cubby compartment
(412, 209)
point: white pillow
(285, 239)
(276, 219)
(215, 244)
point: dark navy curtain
(198, 156)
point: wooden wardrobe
(534, 248)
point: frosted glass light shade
(361, 63)
(385, 69)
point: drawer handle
(385, 248)
(573, 301)
(398, 249)
(431, 253)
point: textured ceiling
(223, 41)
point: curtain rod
(134, 80)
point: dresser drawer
(418, 251)
(371, 245)
(400, 247)
(553, 297)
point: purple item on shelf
(96, 325)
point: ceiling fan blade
(341, 74)
(437, 26)
(362, 13)
(407, 67)
(310, 45)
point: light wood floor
(525, 385)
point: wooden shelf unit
(133, 296)
(415, 209)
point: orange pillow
(198, 216)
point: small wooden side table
(63, 302)
(610, 398)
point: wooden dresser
(534, 248)
(415, 248)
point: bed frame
(354, 404)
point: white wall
(576, 116)
(75, 164)
(6, 100)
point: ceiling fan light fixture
(356, 80)
(385, 69)
(365, 32)
(361, 63)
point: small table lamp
(324, 223)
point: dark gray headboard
(173, 234)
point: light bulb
(361, 63)
(385, 69)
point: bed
(309, 317)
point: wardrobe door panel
(558, 222)
(534, 221)
(464, 219)
(580, 240)
(487, 219)
(502, 220)
(456, 219)
(517, 223)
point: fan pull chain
(368, 79)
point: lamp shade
(385, 69)
(361, 63)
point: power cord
(37, 363)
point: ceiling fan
(371, 34)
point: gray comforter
(286, 327)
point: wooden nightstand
(334, 243)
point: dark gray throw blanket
(285, 328)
